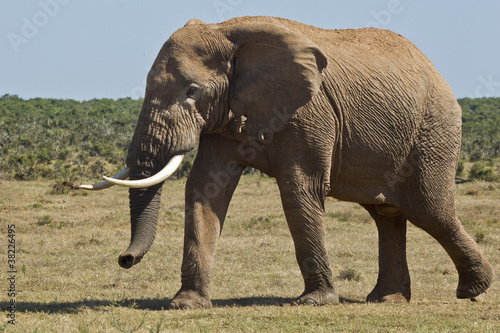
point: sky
(85, 49)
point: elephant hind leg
(475, 272)
(393, 283)
(429, 204)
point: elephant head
(204, 78)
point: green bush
(63, 187)
(44, 220)
(480, 128)
(480, 236)
(349, 274)
(481, 171)
(65, 136)
(460, 168)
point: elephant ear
(276, 71)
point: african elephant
(359, 115)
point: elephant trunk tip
(127, 260)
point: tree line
(42, 138)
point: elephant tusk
(102, 185)
(166, 172)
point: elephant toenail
(310, 302)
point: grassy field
(68, 278)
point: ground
(68, 278)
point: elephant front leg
(209, 189)
(304, 210)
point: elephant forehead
(193, 71)
(191, 43)
(178, 70)
(200, 43)
(160, 78)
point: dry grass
(69, 281)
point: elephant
(360, 115)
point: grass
(68, 279)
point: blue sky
(103, 49)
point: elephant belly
(365, 185)
(360, 195)
(370, 170)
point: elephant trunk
(143, 159)
(151, 152)
(144, 206)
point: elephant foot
(392, 298)
(475, 281)
(318, 297)
(388, 295)
(189, 299)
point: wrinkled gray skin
(358, 115)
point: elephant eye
(191, 91)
